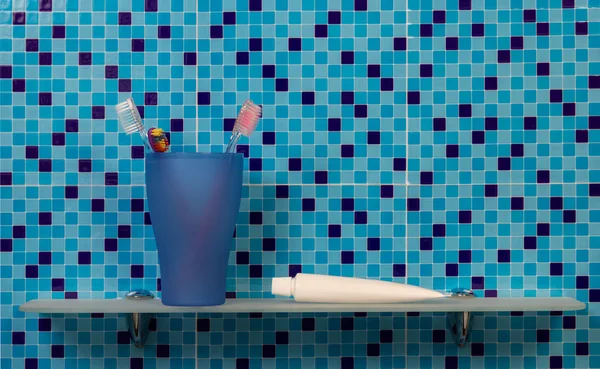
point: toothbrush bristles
(129, 117)
(247, 120)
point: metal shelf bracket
(459, 323)
(138, 324)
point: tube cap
(282, 286)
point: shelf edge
(278, 306)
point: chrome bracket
(459, 323)
(138, 324)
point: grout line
(327, 184)
(407, 183)
(195, 356)
(196, 82)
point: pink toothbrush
(245, 124)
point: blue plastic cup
(194, 200)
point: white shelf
(446, 305)
(458, 309)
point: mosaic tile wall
(439, 143)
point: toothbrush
(128, 115)
(245, 124)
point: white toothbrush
(128, 115)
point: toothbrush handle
(144, 136)
(233, 141)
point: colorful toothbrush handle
(233, 141)
(158, 140)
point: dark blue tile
(242, 363)
(256, 217)
(137, 271)
(295, 44)
(399, 164)
(426, 243)
(59, 31)
(477, 30)
(464, 256)
(151, 5)
(360, 217)
(347, 323)
(163, 351)
(451, 270)
(464, 5)
(477, 283)
(31, 363)
(529, 15)
(124, 18)
(530, 243)
(294, 164)
(282, 191)
(45, 258)
(334, 17)
(373, 349)
(347, 98)
(217, 32)
(438, 335)
(321, 177)
(373, 244)
(321, 30)
(413, 204)
(386, 191)
(543, 29)
(569, 322)
(399, 270)
(348, 204)
(268, 351)
(6, 245)
(347, 151)
(452, 43)
(294, 269)
(582, 349)
(439, 124)
(268, 71)
(229, 18)
(335, 231)
(242, 58)
(19, 18)
(255, 5)
(439, 16)
(347, 57)
(543, 69)
(44, 324)
(581, 28)
(164, 32)
(308, 98)
(282, 338)
(58, 284)
(582, 282)
(202, 325)
(477, 349)
(543, 335)
(84, 257)
(360, 5)
(347, 362)
(309, 204)
(347, 257)
(439, 230)
(504, 256)
(57, 351)
(18, 338)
